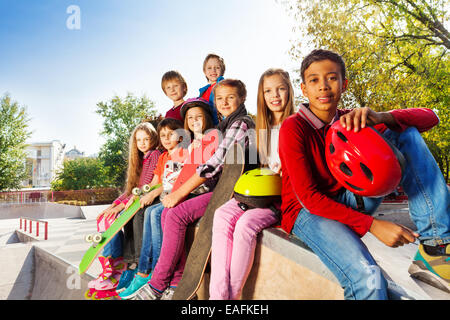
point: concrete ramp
(33, 273)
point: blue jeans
(151, 238)
(341, 249)
(114, 248)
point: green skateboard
(200, 251)
(100, 240)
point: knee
(175, 216)
(219, 219)
(155, 215)
(244, 231)
(411, 135)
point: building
(44, 159)
(74, 154)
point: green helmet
(258, 188)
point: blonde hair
(264, 117)
(173, 75)
(214, 56)
(135, 156)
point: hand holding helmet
(363, 162)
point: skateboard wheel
(88, 238)
(146, 188)
(87, 294)
(136, 191)
(97, 238)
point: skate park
(283, 269)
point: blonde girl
(235, 230)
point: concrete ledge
(17, 273)
(39, 210)
(57, 279)
(36, 274)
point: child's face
(175, 90)
(195, 119)
(169, 138)
(143, 141)
(276, 93)
(323, 87)
(213, 70)
(227, 100)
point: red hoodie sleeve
(296, 158)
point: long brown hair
(264, 117)
(135, 157)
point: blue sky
(125, 46)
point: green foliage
(120, 117)
(13, 134)
(81, 173)
(396, 53)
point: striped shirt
(148, 166)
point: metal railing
(28, 222)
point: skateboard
(200, 251)
(99, 240)
(197, 156)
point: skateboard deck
(200, 252)
(197, 156)
(106, 236)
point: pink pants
(174, 221)
(233, 247)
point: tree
(120, 117)
(396, 53)
(81, 173)
(13, 134)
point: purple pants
(174, 222)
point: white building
(74, 154)
(44, 159)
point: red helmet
(363, 162)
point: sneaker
(147, 293)
(168, 293)
(432, 265)
(125, 279)
(137, 283)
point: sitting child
(322, 213)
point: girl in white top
(235, 230)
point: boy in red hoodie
(324, 215)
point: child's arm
(172, 199)
(147, 174)
(148, 198)
(112, 211)
(236, 133)
(392, 234)
(421, 118)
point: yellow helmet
(258, 188)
